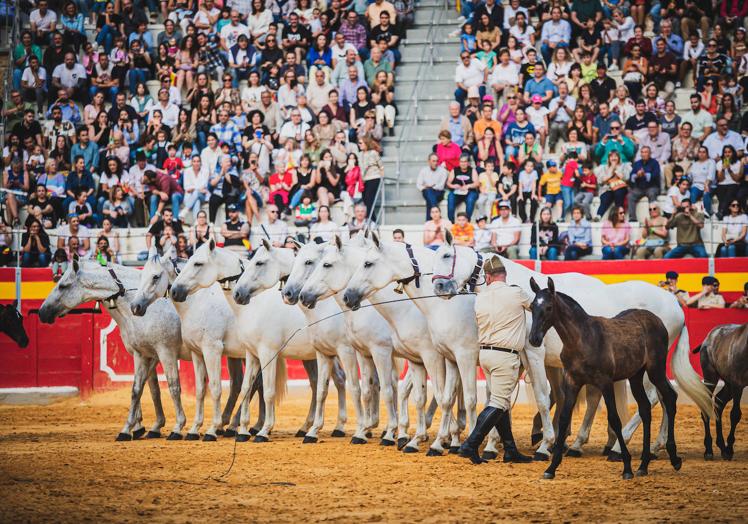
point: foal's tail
(688, 380)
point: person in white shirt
(231, 31)
(169, 111)
(560, 112)
(72, 77)
(323, 228)
(273, 229)
(555, 33)
(430, 183)
(483, 236)
(43, 23)
(510, 14)
(722, 137)
(700, 119)
(318, 91)
(34, 83)
(195, 187)
(505, 74)
(293, 129)
(702, 173)
(211, 154)
(339, 48)
(205, 18)
(734, 228)
(470, 72)
(507, 230)
(693, 49)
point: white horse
(330, 337)
(153, 338)
(454, 267)
(263, 327)
(208, 331)
(336, 263)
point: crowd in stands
(570, 109)
(272, 110)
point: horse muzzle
(290, 296)
(352, 299)
(445, 288)
(241, 297)
(178, 293)
(308, 300)
(138, 309)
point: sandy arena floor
(60, 463)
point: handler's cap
(494, 265)
(708, 281)
(671, 275)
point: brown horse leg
(735, 415)
(645, 412)
(710, 381)
(669, 397)
(571, 391)
(615, 423)
(721, 400)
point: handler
(500, 311)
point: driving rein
(472, 282)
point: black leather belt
(497, 348)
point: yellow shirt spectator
(551, 179)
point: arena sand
(59, 463)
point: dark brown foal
(724, 355)
(600, 351)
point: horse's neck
(393, 312)
(229, 263)
(285, 258)
(569, 321)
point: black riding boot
(486, 420)
(511, 453)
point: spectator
(164, 189)
(663, 67)
(742, 302)
(544, 237)
(644, 180)
(709, 297)
(555, 33)
(684, 149)
(551, 180)
(431, 181)
(34, 83)
(72, 77)
(35, 245)
(561, 111)
(516, 133)
(504, 76)
(359, 222)
(528, 191)
(578, 236)
(43, 23)
(734, 228)
(723, 136)
(615, 142)
(159, 227)
(587, 189)
(702, 173)
(539, 85)
(616, 235)
(489, 183)
(484, 237)
(15, 178)
(74, 229)
(470, 72)
(506, 230)
(729, 177)
(611, 178)
(323, 228)
(447, 152)
(117, 208)
(679, 192)
(235, 232)
(372, 173)
(654, 235)
(687, 223)
(458, 125)
(671, 284)
(463, 185)
(701, 120)
(398, 235)
(462, 231)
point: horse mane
(574, 307)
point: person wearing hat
(470, 72)
(507, 230)
(671, 284)
(709, 296)
(234, 230)
(500, 313)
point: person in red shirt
(447, 152)
(173, 164)
(587, 188)
(568, 182)
(163, 189)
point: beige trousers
(502, 371)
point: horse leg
(403, 417)
(454, 424)
(436, 367)
(157, 405)
(383, 362)
(570, 390)
(645, 412)
(536, 434)
(615, 422)
(200, 374)
(269, 366)
(257, 388)
(324, 367)
(248, 384)
(448, 397)
(312, 372)
(669, 399)
(735, 415)
(710, 381)
(721, 400)
(169, 362)
(338, 378)
(212, 359)
(236, 374)
(418, 378)
(467, 363)
(348, 360)
(593, 397)
(536, 368)
(143, 368)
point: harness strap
(233, 278)
(121, 288)
(473, 280)
(451, 271)
(416, 269)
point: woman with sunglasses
(616, 235)
(734, 229)
(729, 176)
(612, 183)
(654, 235)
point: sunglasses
(615, 128)
(272, 211)
(734, 205)
(653, 209)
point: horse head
(329, 275)
(268, 266)
(154, 281)
(454, 269)
(304, 264)
(11, 323)
(543, 311)
(207, 265)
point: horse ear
(266, 244)
(551, 286)
(448, 237)
(153, 252)
(338, 242)
(297, 243)
(366, 233)
(534, 285)
(375, 239)
(212, 244)
(76, 263)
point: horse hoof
(209, 438)
(386, 442)
(614, 456)
(219, 433)
(300, 434)
(727, 455)
(677, 463)
(243, 437)
(123, 437)
(574, 453)
(433, 453)
(309, 440)
(606, 451)
(192, 436)
(487, 455)
(358, 440)
(401, 442)
(336, 433)
(454, 450)
(410, 449)
(540, 457)
(384, 432)
(253, 431)
(627, 476)
(549, 476)
(535, 438)
(229, 433)
(369, 434)
(642, 472)
(153, 434)
(708, 456)
(261, 438)
(138, 433)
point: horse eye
(446, 255)
(198, 264)
(156, 277)
(258, 264)
(327, 265)
(308, 263)
(368, 264)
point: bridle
(227, 282)
(471, 282)
(111, 300)
(176, 272)
(416, 276)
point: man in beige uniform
(500, 311)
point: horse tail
(688, 380)
(281, 378)
(697, 349)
